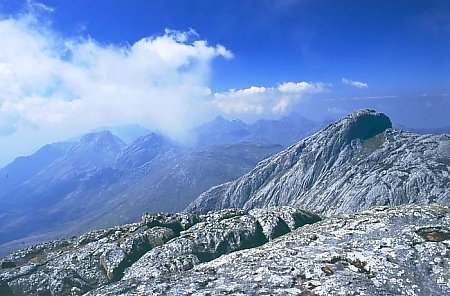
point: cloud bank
(48, 82)
(357, 84)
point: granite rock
(354, 164)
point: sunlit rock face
(355, 163)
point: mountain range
(285, 131)
(98, 180)
(357, 208)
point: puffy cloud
(265, 100)
(301, 87)
(50, 83)
(357, 84)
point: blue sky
(395, 44)
(240, 59)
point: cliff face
(353, 164)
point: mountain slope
(23, 168)
(82, 190)
(31, 205)
(61, 175)
(168, 182)
(353, 164)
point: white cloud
(357, 84)
(52, 83)
(336, 110)
(40, 6)
(264, 100)
(301, 87)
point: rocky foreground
(401, 250)
(159, 246)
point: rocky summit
(355, 163)
(402, 250)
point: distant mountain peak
(219, 118)
(223, 122)
(100, 140)
(95, 150)
(284, 131)
(296, 118)
(127, 133)
(91, 137)
(152, 139)
(143, 150)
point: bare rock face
(111, 261)
(176, 222)
(276, 221)
(159, 246)
(401, 250)
(355, 163)
(203, 242)
(272, 225)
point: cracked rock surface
(160, 246)
(401, 250)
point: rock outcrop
(353, 164)
(401, 250)
(159, 246)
